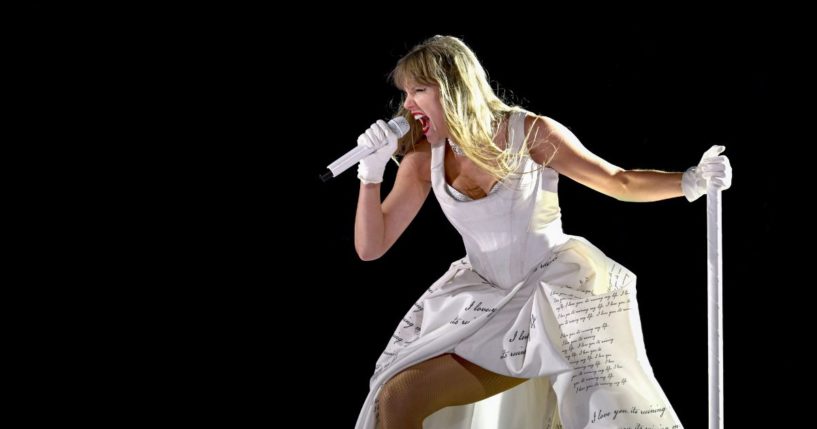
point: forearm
(648, 185)
(369, 224)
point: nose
(408, 103)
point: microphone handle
(397, 125)
(349, 159)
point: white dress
(529, 301)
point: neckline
(488, 195)
(460, 197)
(491, 192)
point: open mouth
(425, 122)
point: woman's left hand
(713, 170)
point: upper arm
(410, 190)
(555, 146)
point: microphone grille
(399, 125)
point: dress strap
(516, 129)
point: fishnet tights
(446, 380)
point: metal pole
(714, 286)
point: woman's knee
(404, 398)
(401, 389)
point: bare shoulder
(543, 136)
(418, 160)
(555, 146)
(540, 121)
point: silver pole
(714, 286)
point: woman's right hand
(371, 168)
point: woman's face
(423, 101)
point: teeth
(418, 116)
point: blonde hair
(472, 110)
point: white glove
(371, 168)
(713, 169)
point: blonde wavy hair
(472, 110)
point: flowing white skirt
(572, 327)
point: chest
(466, 177)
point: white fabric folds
(529, 301)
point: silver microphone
(397, 125)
